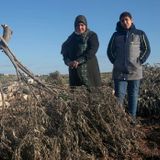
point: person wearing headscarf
(79, 54)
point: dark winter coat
(82, 48)
(127, 51)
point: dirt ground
(150, 144)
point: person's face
(81, 28)
(126, 22)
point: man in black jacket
(79, 54)
(127, 50)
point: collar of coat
(119, 28)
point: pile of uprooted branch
(149, 101)
(73, 124)
(58, 123)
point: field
(54, 122)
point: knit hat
(125, 14)
(80, 19)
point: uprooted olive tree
(149, 101)
(68, 125)
(44, 122)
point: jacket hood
(80, 19)
(119, 28)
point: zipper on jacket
(126, 51)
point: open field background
(64, 124)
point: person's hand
(73, 64)
(70, 64)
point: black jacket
(82, 48)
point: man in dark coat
(79, 54)
(127, 50)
